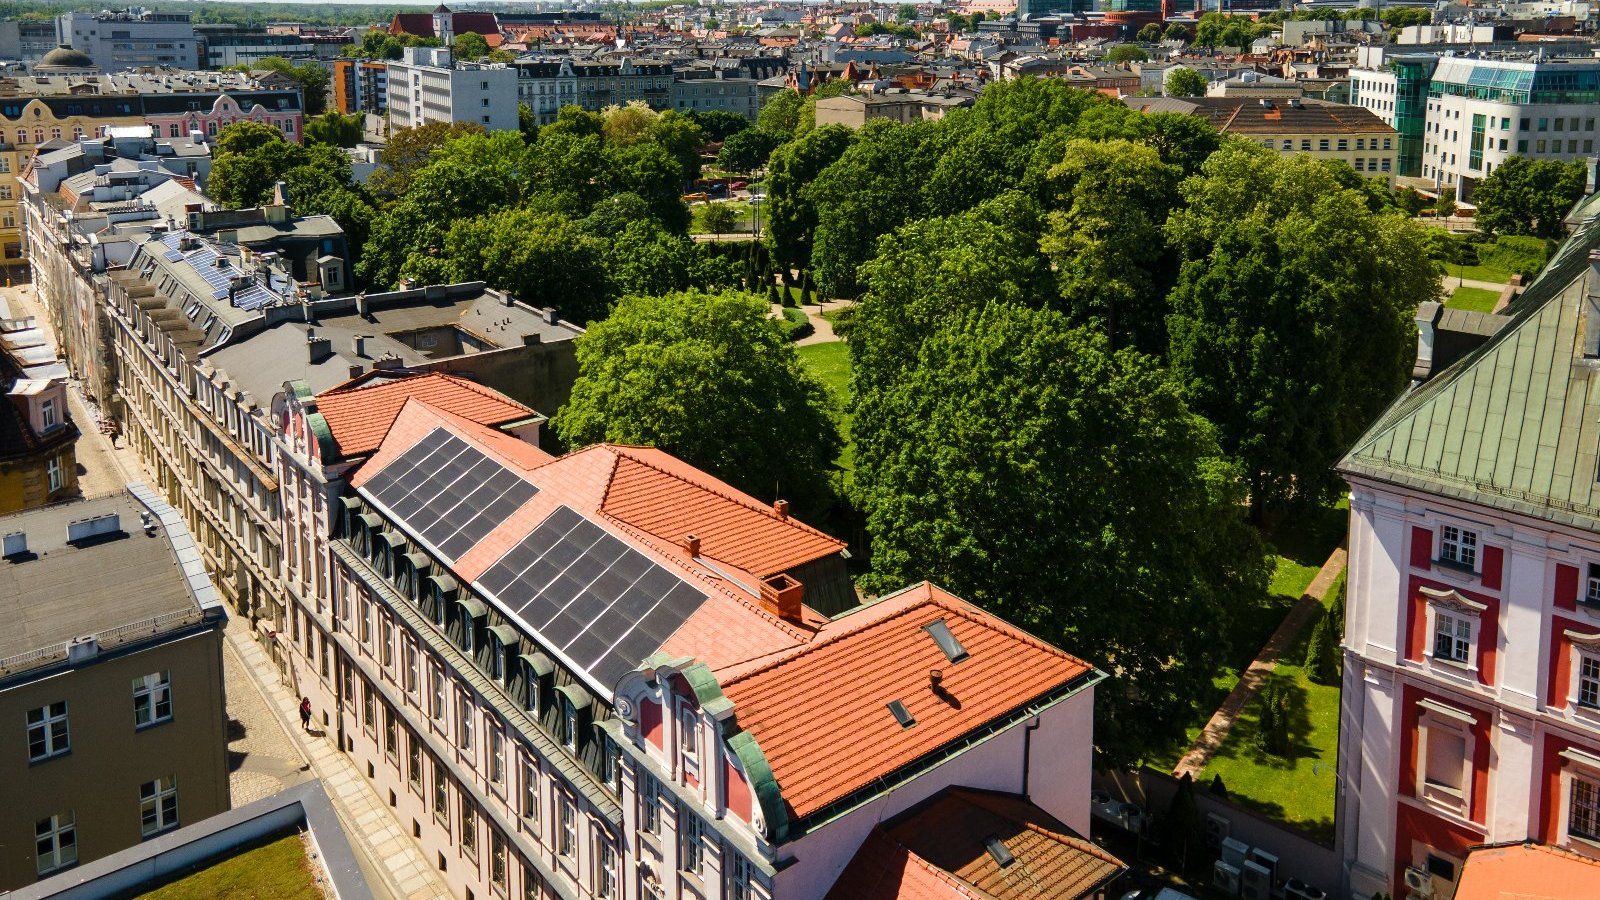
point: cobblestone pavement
(262, 760)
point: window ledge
(149, 725)
(39, 761)
(1451, 567)
(1449, 668)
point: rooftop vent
(901, 714)
(940, 632)
(81, 650)
(14, 544)
(1002, 856)
(89, 529)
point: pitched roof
(1240, 115)
(1515, 424)
(360, 416)
(939, 849)
(1527, 872)
(863, 661)
(664, 496)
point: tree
(541, 258)
(1127, 53)
(653, 174)
(1183, 832)
(251, 158)
(1322, 651)
(681, 136)
(1446, 204)
(527, 122)
(645, 259)
(709, 379)
(905, 13)
(781, 113)
(627, 125)
(576, 120)
(1529, 197)
(791, 212)
(1175, 32)
(1274, 717)
(748, 150)
(334, 129)
(468, 46)
(313, 79)
(1221, 30)
(1022, 464)
(1184, 82)
(1150, 33)
(719, 218)
(409, 150)
(1291, 323)
(719, 124)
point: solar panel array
(203, 260)
(449, 492)
(604, 605)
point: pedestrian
(305, 714)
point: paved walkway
(821, 328)
(1451, 282)
(1250, 682)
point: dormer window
(47, 413)
(1458, 546)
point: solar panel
(449, 493)
(600, 603)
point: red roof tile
(863, 661)
(938, 850)
(1528, 872)
(666, 497)
(359, 417)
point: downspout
(1027, 752)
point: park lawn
(1479, 273)
(1287, 789)
(274, 871)
(830, 362)
(1473, 299)
(741, 222)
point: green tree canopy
(1150, 33)
(469, 46)
(409, 150)
(334, 129)
(718, 124)
(781, 113)
(1528, 196)
(544, 259)
(709, 379)
(1291, 318)
(791, 213)
(313, 79)
(748, 150)
(1127, 53)
(1184, 82)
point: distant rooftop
(85, 573)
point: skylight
(940, 632)
(901, 714)
(1002, 856)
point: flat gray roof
(57, 591)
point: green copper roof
(1515, 424)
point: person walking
(305, 714)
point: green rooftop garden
(275, 870)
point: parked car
(738, 185)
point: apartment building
(37, 435)
(1313, 127)
(27, 40)
(427, 86)
(126, 39)
(1471, 696)
(547, 85)
(361, 86)
(703, 91)
(110, 683)
(609, 675)
(1460, 117)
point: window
(1305, 143)
(386, 649)
(1591, 593)
(464, 722)
(55, 472)
(497, 755)
(391, 735)
(1452, 636)
(741, 877)
(1458, 546)
(606, 877)
(158, 805)
(569, 725)
(469, 827)
(649, 803)
(47, 732)
(568, 844)
(690, 838)
(441, 793)
(530, 794)
(369, 708)
(438, 695)
(414, 762)
(412, 667)
(1583, 812)
(497, 862)
(366, 620)
(1344, 143)
(55, 842)
(532, 883)
(1589, 681)
(1444, 778)
(152, 699)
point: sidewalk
(1250, 682)
(821, 328)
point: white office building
(428, 86)
(130, 38)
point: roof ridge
(759, 508)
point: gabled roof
(664, 496)
(838, 688)
(939, 849)
(1527, 872)
(360, 416)
(1514, 425)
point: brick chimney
(782, 595)
(781, 508)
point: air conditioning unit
(1255, 881)
(1419, 883)
(1225, 878)
(1234, 852)
(1268, 861)
(1131, 816)
(1295, 889)
(1217, 830)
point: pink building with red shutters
(1471, 703)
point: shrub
(1322, 653)
(1524, 255)
(795, 324)
(1272, 733)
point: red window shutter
(1421, 547)
(1493, 560)
(1566, 587)
(650, 722)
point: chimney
(691, 543)
(81, 650)
(355, 371)
(358, 345)
(781, 595)
(317, 349)
(781, 507)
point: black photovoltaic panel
(448, 492)
(602, 604)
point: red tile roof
(938, 850)
(359, 417)
(663, 496)
(859, 664)
(1528, 872)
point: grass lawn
(1479, 273)
(274, 871)
(1474, 299)
(1286, 788)
(741, 222)
(830, 362)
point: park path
(1451, 282)
(1305, 609)
(821, 329)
